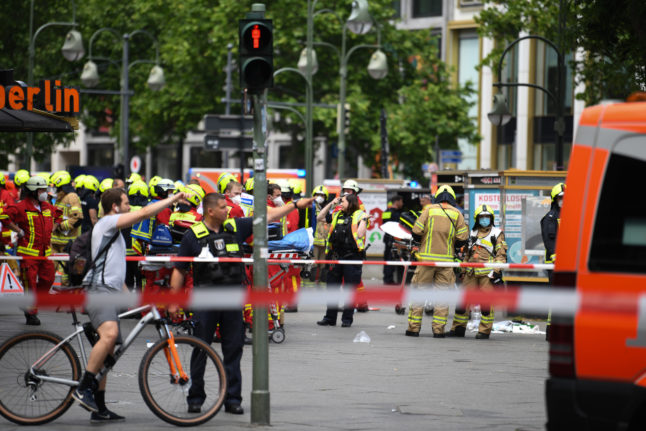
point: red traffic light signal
(256, 54)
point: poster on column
(513, 217)
(375, 203)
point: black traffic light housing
(256, 54)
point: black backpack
(81, 261)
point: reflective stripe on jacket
(440, 225)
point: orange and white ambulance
(597, 358)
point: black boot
(459, 331)
(412, 334)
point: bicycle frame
(152, 316)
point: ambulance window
(619, 237)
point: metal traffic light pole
(260, 412)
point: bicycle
(39, 370)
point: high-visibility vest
(357, 216)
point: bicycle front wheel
(167, 396)
(26, 399)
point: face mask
(319, 199)
(236, 199)
(560, 203)
(484, 221)
(278, 201)
(42, 197)
(183, 207)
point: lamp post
(500, 114)
(156, 81)
(72, 50)
(309, 162)
(359, 22)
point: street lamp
(72, 50)
(156, 81)
(558, 98)
(359, 22)
(500, 114)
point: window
(427, 8)
(201, 158)
(100, 154)
(397, 9)
(619, 237)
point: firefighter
(87, 187)
(346, 241)
(71, 209)
(439, 230)
(352, 187)
(185, 214)
(69, 204)
(138, 197)
(19, 179)
(486, 244)
(232, 193)
(160, 189)
(6, 199)
(391, 214)
(321, 195)
(33, 218)
(549, 229)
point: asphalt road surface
(321, 379)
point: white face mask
(278, 201)
(236, 199)
(319, 199)
(42, 197)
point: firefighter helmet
(445, 188)
(21, 177)
(162, 187)
(194, 194)
(295, 185)
(248, 185)
(557, 191)
(78, 181)
(151, 185)
(36, 183)
(321, 190)
(134, 177)
(138, 188)
(3, 180)
(224, 179)
(483, 210)
(90, 182)
(60, 178)
(352, 185)
(106, 184)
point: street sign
(228, 122)
(135, 164)
(450, 156)
(219, 142)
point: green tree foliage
(193, 36)
(610, 33)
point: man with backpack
(105, 235)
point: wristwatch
(295, 202)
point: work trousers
(350, 276)
(37, 276)
(440, 278)
(461, 317)
(319, 271)
(232, 333)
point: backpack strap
(100, 253)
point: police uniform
(211, 275)
(549, 229)
(344, 243)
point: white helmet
(36, 182)
(284, 186)
(352, 185)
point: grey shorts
(99, 315)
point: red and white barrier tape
(526, 299)
(277, 261)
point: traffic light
(345, 121)
(256, 54)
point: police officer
(549, 229)
(486, 244)
(86, 188)
(221, 237)
(346, 241)
(391, 214)
(440, 229)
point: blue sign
(450, 153)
